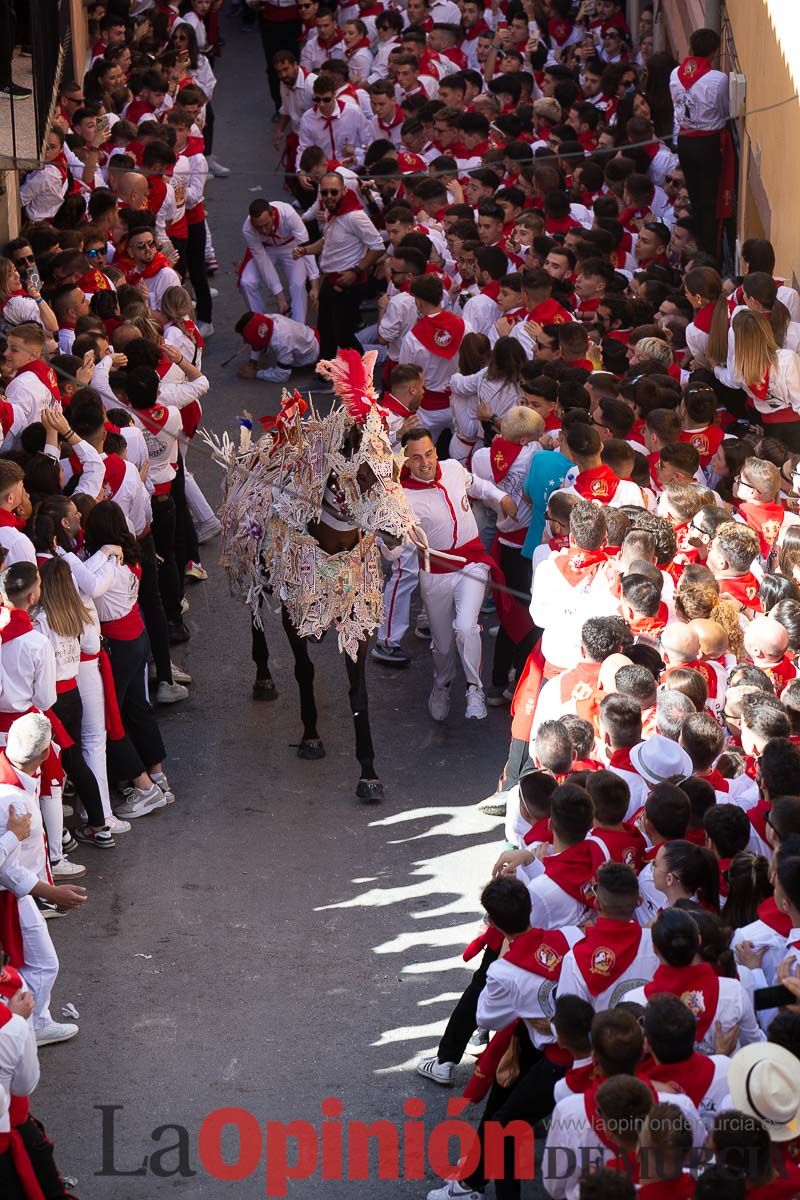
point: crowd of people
(525, 211)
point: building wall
(766, 37)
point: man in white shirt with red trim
(348, 249)
(297, 96)
(34, 386)
(272, 230)
(452, 591)
(433, 344)
(700, 99)
(332, 124)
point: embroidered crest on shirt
(694, 1002)
(603, 961)
(442, 337)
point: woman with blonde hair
(63, 617)
(20, 304)
(769, 374)
(180, 331)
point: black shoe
(177, 633)
(12, 91)
(264, 689)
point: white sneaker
(205, 329)
(141, 803)
(454, 1191)
(217, 169)
(170, 693)
(439, 703)
(494, 805)
(161, 782)
(208, 530)
(431, 1068)
(476, 704)
(117, 826)
(55, 1031)
(64, 869)
(274, 374)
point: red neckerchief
(45, 374)
(335, 40)
(550, 312)
(706, 441)
(558, 543)
(703, 317)
(476, 30)
(760, 391)
(61, 165)
(539, 832)
(692, 1077)
(190, 329)
(696, 985)
(627, 1162)
(620, 760)
(766, 520)
(692, 69)
(580, 1079)
(396, 120)
(258, 331)
(552, 422)
(717, 781)
(607, 950)
(573, 870)
(743, 588)
(651, 625)
(492, 290)
(783, 1188)
(154, 419)
(630, 214)
(19, 623)
(771, 915)
(624, 845)
(159, 262)
(540, 951)
(9, 521)
(576, 564)
(362, 44)
(393, 405)
(410, 481)
(599, 483)
(781, 673)
(348, 203)
(440, 333)
(503, 454)
(93, 281)
(560, 224)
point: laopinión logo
(232, 1145)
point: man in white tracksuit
(439, 495)
(271, 231)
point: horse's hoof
(370, 790)
(311, 748)
(264, 689)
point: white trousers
(93, 727)
(453, 603)
(253, 283)
(435, 420)
(41, 961)
(397, 596)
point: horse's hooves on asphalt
(370, 790)
(264, 689)
(311, 748)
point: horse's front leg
(311, 745)
(370, 788)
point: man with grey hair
(672, 709)
(24, 875)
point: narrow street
(267, 942)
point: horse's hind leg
(311, 746)
(264, 686)
(370, 788)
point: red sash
(573, 870)
(606, 952)
(692, 69)
(697, 986)
(599, 483)
(114, 727)
(440, 334)
(45, 374)
(503, 455)
(693, 1076)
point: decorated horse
(302, 511)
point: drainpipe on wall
(633, 18)
(659, 31)
(713, 14)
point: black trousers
(517, 572)
(152, 607)
(461, 1025)
(69, 710)
(7, 36)
(169, 581)
(529, 1100)
(701, 162)
(40, 1152)
(275, 36)
(339, 314)
(208, 132)
(143, 747)
(196, 269)
(187, 548)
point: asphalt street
(268, 942)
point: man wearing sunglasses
(338, 128)
(348, 249)
(151, 267)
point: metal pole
(633, 19)
(713, 14)
(659, 30)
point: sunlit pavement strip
(457, 875)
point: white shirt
(481, 313)
(347, 126)
(293, 343)
(157, 284)
(443, 509)
(19, 546)
(551, 906)
(24, 870)
(437, 370)
(560, 609)
(346, 239)
(28, 673)
(572, 982)
(512, 484)
(399, 317)
(29, 396)
(734, 1007)
(298, 98)
(19, 1061)
(43, 193)
(16, 310)
(510, 992)
(704, 107)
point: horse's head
(366, 474)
